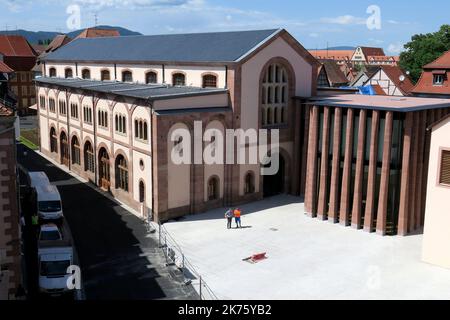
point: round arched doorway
(275, 184)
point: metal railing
(175, 257)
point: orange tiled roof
(378, 90)
(15, 46)
(443, 62)
(4, 68)
(332, 54)
(425, 83)
(369, 51)
(98, 33)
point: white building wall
(436, 241)
(193, 73)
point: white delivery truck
(54, 258)
(49, 204)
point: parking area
(118, 259)
(307, 258)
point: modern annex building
(107, 107)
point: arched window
(121, 125)
(53, 141)
(89, 164)
(141, 130)
(275, 95)
(141, 192)
(76, 158)
(103, 119)
(213, 189)
(127, 76)
(178, 79)
(121, 173)
(151, 77)
(86, 74)
(68, 73)
(209, 81)
(62, 107)
(249, 187)
(52, 72)
(105, 75)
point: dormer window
(438, 79)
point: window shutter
(445, 168)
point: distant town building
(330, 75)
(364, 75)
(18, 55)
(392, 80)
(340, 56)
(436, 241)
(435, 79)
(362, 55)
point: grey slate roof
(132, 90)
(196, 47)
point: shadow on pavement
(112, 244)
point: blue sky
(313, 23)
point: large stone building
(115, 133)
(108, 108)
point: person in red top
(237, 217)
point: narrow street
(117, 258)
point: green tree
(424, 49)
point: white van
(37, 179)
(49, 204)
(54, 263)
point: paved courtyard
(307, 258)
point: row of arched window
(74, 157)
(151, 77)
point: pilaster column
(346, 178)
(359, 177)
(311, 180)
(385, 173)
(370, 202)
(323, 188)
(333, 213)
(403, 219)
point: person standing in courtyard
(237, 217)
(229, 216)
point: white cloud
(314, 35)
(395, 48)
(345, 20)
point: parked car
(50, 232)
